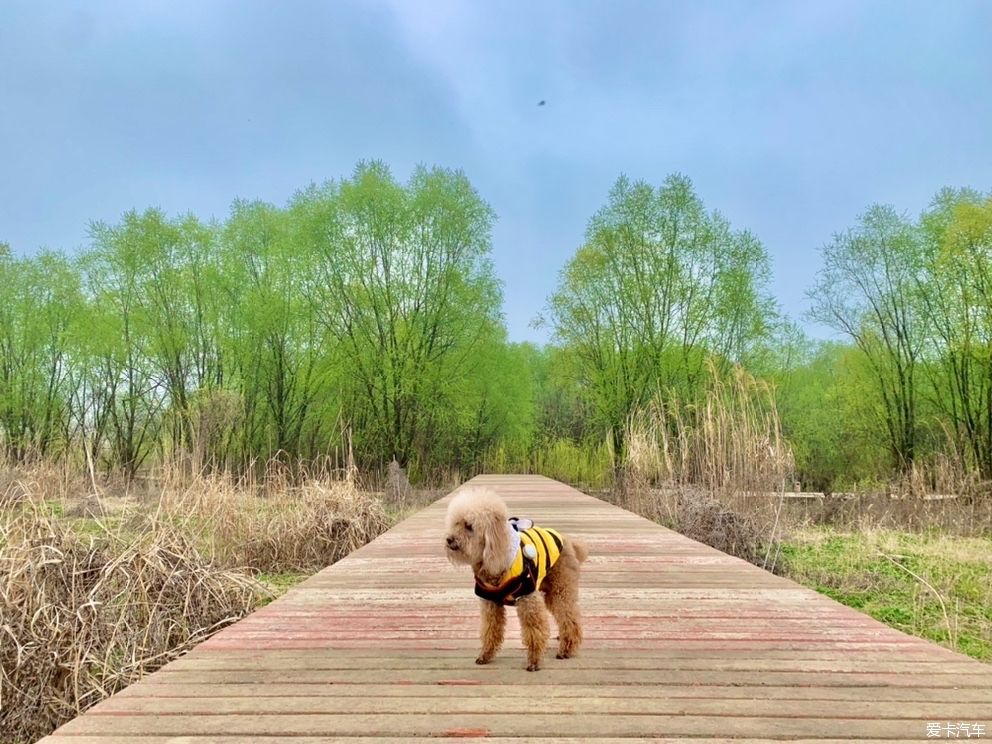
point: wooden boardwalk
(681, 641)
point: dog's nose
(452, 542)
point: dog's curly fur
(478, 535)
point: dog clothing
(537, 550)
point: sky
(791, 118)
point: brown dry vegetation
(297, 528)
(692, 468)
(100, 583)
(85, 614)
(96, 590)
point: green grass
(280, 583)
(948, 600)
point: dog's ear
(497, 544)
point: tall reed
(707, 468)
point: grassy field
(933, 585)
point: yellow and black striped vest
(538, 552)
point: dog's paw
(563, 655)
(483, 659)
(534, 668)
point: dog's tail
(581, 552)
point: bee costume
(535, 550)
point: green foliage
(825, 404)
(957, 302)
(403, 290)
(270, 341)
(364, 316)
(867, 290)
(660, 286)
(38, 300)
(915, 298)
(361, 322)
(145, 343)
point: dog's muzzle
(452, 543)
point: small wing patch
(520, 524)
(530, 551)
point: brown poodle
(515, 562)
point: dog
(516, 564)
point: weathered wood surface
(681, 641)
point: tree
(830, 417)
(957, 300)
(125, 393)
(868, 289)
(660, 286)
(404, 291)
(39, 300)
(270, 336)
(175, 272)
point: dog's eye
(468, 527)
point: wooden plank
(254, 663)
(681, 641)
(551, 691)
(561, 674)
(413, 704)
(450, 737)
(589, 726)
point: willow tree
(868, 289)
(404, 290)
(39, 301)
(122, 398)
(270, 339)
(175, 273)
(660, 286)
(957, 299)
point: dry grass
(83, 615)
(941, 492)
(853, 512)
(720, 473)
(96, 590)
(710, 521)
(299, 528)
(694, 468)
(731, 442)
(753, 536)
(401, 499)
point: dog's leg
(563, 604)
(534, 628)
(561, 595)
(493, 625)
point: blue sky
(791, 118)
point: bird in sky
(541, 102)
